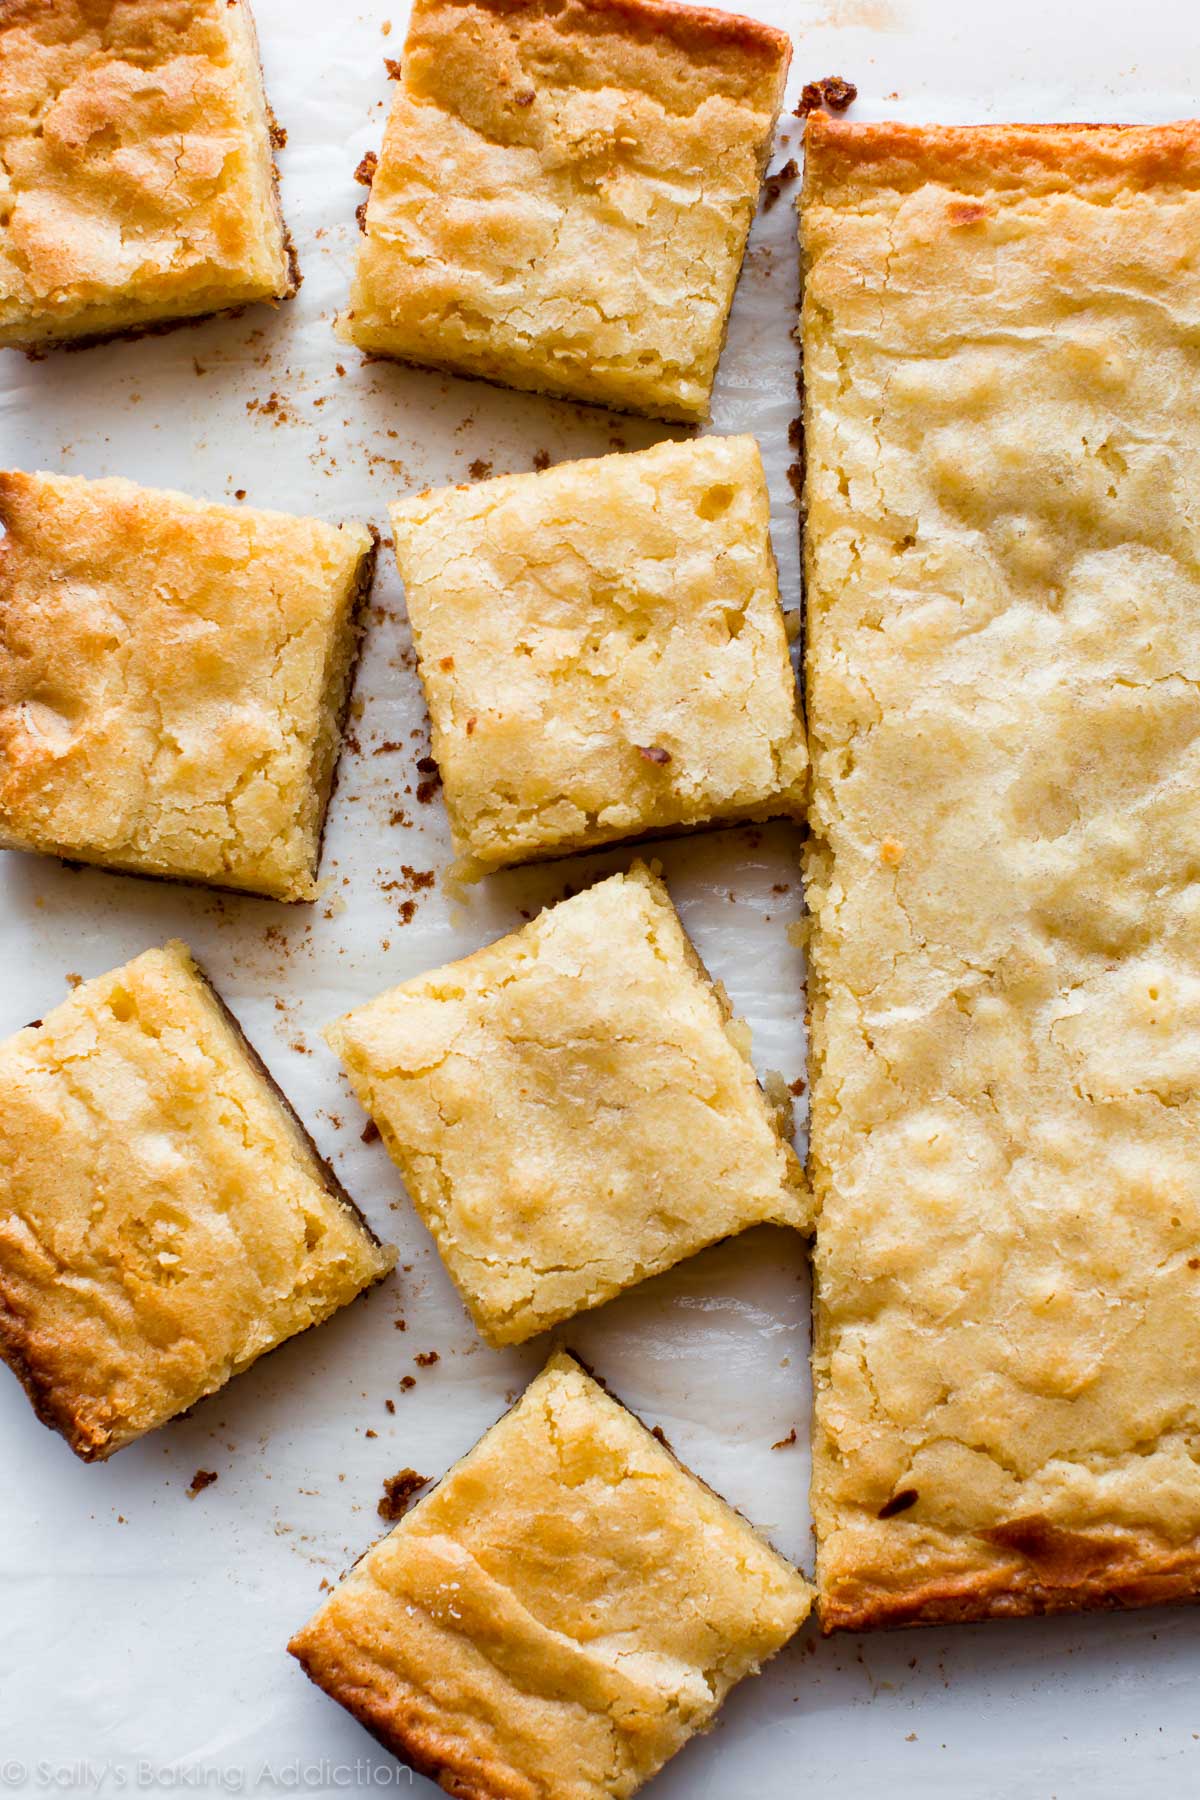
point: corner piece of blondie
(173, 675)
(564, 194)
(561, 1614)
(137, 178)
(164, 1216)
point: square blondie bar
(572, 1108)
(137, 177)
(173, 675)
(603, 651)
(560, 1614)
(164, 1216)
(1004, 646)
(564, 194)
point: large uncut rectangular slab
(560, 1615)
(1002, 352)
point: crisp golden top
(164, 1219)
(572, 1108)
(603, 649)
(564, 192)
(136, 174)
(560, 1614)
(1004, 621)
(171, 677)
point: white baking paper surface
(142, 1632)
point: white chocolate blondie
(572, 1108)
(603, 650)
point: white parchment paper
(142, 1632)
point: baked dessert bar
(560, 1614)
(603, 651)
(564, 194)
(137, 179)
(572, 1108)
(173, 676)
(164, 1216)
(1004, 645)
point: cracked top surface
(164, 1219)
(1001, 339)
(171, 680)
(572, 1108)
(563, 195)
(560, 1614)
(602, 649)
(136, 173)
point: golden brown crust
(700, 31)
(1052, 1571)
(844, 156)
(564, 1139)
(394, 1719)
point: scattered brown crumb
(394, 67)
(832, 91)
(797, 1087)
(479, 470)
(787, 1442)
(202, 1479)
(360, 215)
(365, 171)
(654, 753)
(408, 911)
(239, 493)
(390, 1405)
(386, 28)
(425, 1359)
(541, 460)
(398, 1492)
(400, 1324)
(774, 184)
(406, 1382)
(370, 1132)
(278, 135)
(73, 980)
(369, 1433)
